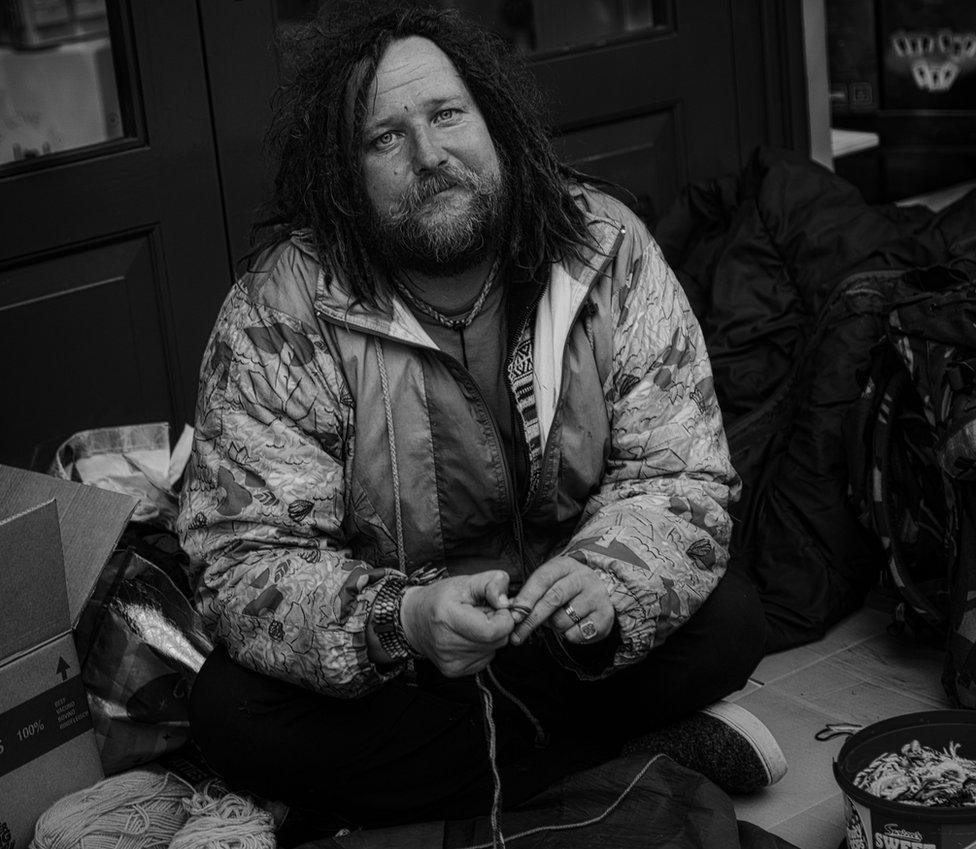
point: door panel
(41, 308)
(115, 260)
(640, 154)
(671, 89)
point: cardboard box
(55, 537)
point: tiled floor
(857, 674)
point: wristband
(385, 620)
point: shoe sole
(750, 728)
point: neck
(451, 294)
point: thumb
(487, 589)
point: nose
(428, 154)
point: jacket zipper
(469, 379)
(500, 444)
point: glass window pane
(535, 26)
(58, 89)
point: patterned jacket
(336, 445)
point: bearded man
(456, 435)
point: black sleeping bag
(789, 272)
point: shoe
(724, 742)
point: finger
(570, 615)
(537, 585)
(500, 626)
(590, 629)
(495, 588)
(556, 597)
(591, 600)
(484, 626)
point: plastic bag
(133, 459)
(140, 644)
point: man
(456, 434)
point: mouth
(442, 195)
(451, 188)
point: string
(497, 837)
(541, 737)
(582, 823)
(488, 706)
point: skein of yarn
(222, 820)
(138, 809)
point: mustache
(445, 177)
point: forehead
(412, 72)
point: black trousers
(417, 751)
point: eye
(384, 140)
(447, 114)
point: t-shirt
(480, 348)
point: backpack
(912, 455)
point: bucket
(874, 823)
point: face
(430, 168)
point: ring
(572, 614)
(587, 629)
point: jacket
(335, 446)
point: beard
(434, 235)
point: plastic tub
(874, 823)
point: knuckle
(554, 596)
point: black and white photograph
(488, 424)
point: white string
(582, 823)
(541, 737)
(488, 706)
(387, 403)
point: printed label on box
(43, 723)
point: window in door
(63, 85)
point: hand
(458, 623)
(557, 586)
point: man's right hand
(458, 623)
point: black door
(113, 255)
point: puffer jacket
(336, 445)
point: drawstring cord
(497, 838)
(488, 708)
(388, 405)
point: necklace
(457, 324)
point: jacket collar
(394, 319)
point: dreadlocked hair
(318, 186)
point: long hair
(319, 184)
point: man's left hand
(570, 597)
